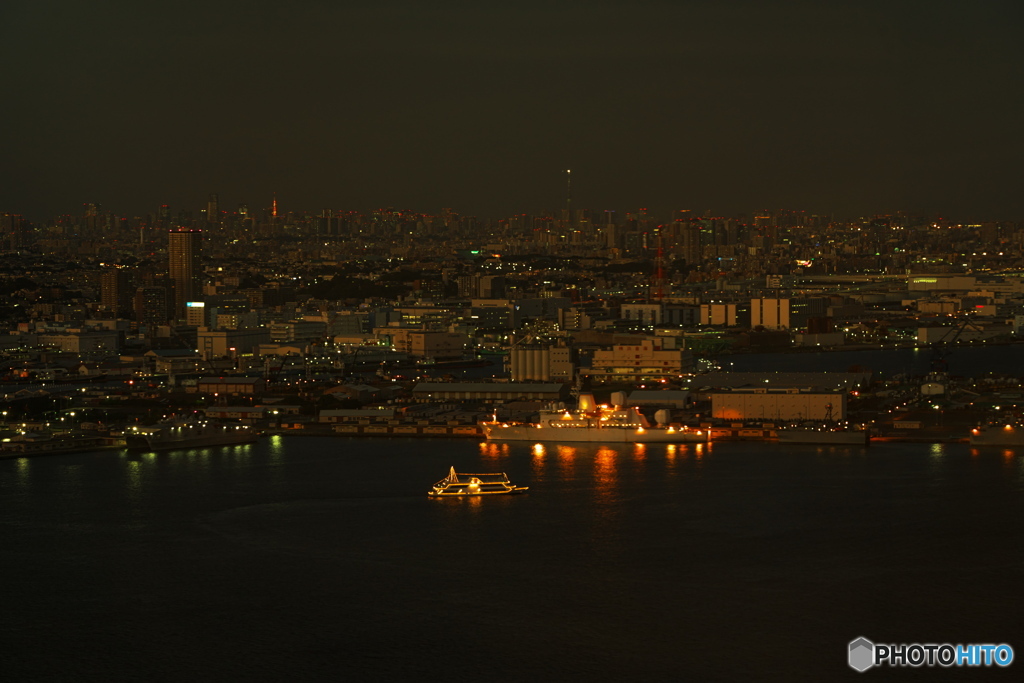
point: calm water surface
(323, 558)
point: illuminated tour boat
(175, 434)
(456, 484)
(596, 424)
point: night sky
(849, 107)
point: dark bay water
(323, 559)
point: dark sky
(848, 107)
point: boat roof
(484, 477)
(478, 475)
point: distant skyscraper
(568, 197)
(10, 231)
(690, 247)
(212, 210)
(184, 251)
(449, 217)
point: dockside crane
(942, 347)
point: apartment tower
(184, 251)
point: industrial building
(229, 343)
(435, 345)
(232, 385)
(541, 363)
(775, 405)
(646, 359)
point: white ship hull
(998, 436)
(592, 423)
(531, 432)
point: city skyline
(732, 106)
(196, 214)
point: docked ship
(50, 444)
(175, 434)
(596, 424)
(1004, 433)
(456, 484)
(824, 433)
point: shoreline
(749, 435)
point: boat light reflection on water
(537, 461)
(565, 458)
(1011, 456)
(605, 462)
(491, 450)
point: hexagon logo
(862, 654)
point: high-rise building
(213, 210)
(469, 285)
(196, 313)
(491, 287)
(150, 304)
(10, 231)
(114, 293)
(324, 223)
(772, 314)
(690, 248)
(184, 251)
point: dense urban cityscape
(660, 340)
(398, 322)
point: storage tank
(530, 363)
